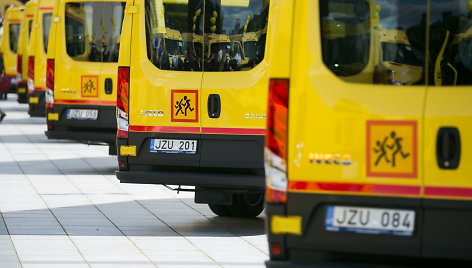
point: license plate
(82, 114)
(22, 90)
(173, 146)
(370, 220)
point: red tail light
(277, 117)
(50, 83)
(122, 101)
(19, 68)
(31, 67)
(31, 74)
(276, 141)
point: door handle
(214, 105)
(108, 86)
(448, 148)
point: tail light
(50, 83)
(19, 67)
(31, 74)
(276, 142)
(122, 101)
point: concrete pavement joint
(13, 244)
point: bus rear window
(46, 26)
(198, 35)
(14, 31)
(345, 35)
(93, 30)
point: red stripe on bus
(241, 131)
(39, 89)
(46, 8)
(447, 191)
(14, 20)
(192, 130)
(355, 188)
(29, 15)
(91, 102)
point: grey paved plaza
(62, 206)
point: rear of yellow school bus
(9, 44)
(22, 58)
(81, 71)
(37, 49)
(193, 121)
(361, 172)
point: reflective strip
(33, 100)
(208, 130)
(53, 116)
(238, 131)
(385, 189)
(440, 191)
(90, 102)
(22, 90)
(46, 8)
(127, 150)
(286, 225)
(191, 130)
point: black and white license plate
(82, 114)
(173, 146)
(370, 220)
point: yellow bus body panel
(13, 16)
(36, 45)
(334, 125)
(25, 34)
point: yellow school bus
(363, 172)
(202, 125)
(37, 49)
(23, 41)
(9, 44)
(81, 71)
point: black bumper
(442, 233)
(103, 129)
(22, 97)
(82, 135)
(237, 181)
(37, 109)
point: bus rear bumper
(242, 181)
(88, 136)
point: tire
(220, 210)
(247, 205)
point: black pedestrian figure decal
(89, 87)
(183, 105)
(397, 147)
(381, 148)
(393, 149)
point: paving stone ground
(62, 206)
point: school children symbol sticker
(89, 85)
(184, 105)
(392, 149)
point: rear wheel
(248, 205)
(220, 210)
